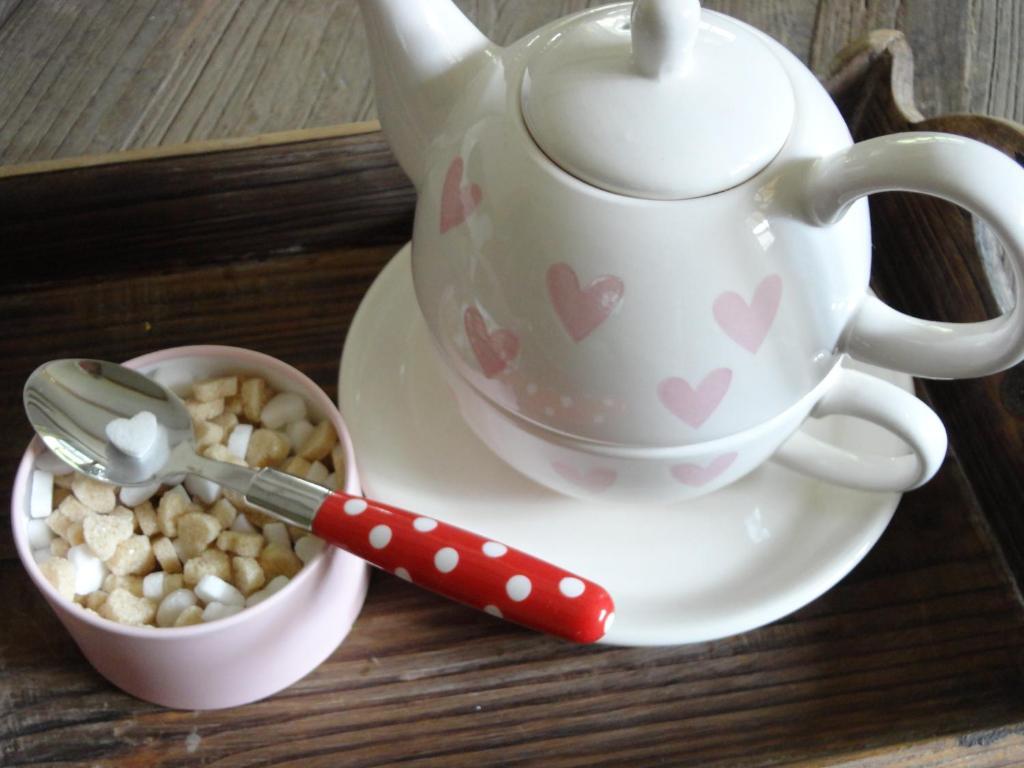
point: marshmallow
(317, 473)
(41, 495)
(238, 440)
(136, 436)
(172, 606)
(134, 495)
(41, 555)
(153, 585)
(284, 408)
(212, 589)
(215, 611)
(89, 569)
(39, 534)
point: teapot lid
(665, 103)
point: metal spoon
(70, 403)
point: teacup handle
(865, 397)
(966, 172)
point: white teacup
(600, 471)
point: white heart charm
(135, 436)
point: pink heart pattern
(494, 350)
(695, 475)
(458, 200)
(582, 310)
(695, 405)
(591, 480)
(748, 324)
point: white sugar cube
(242, 525)
(136, 436)
(238, 440)
(48, 462)
(39, 534)
(298, 431)
(89, 569)
(215, 611)
(203, 489)
(283, 408)
(317, 473)
(41, 499)
(41, 555)
(276, 585)
(132, 496)
(153, 585)
(172, 606)
(213, 589)
(308, 547)
(276, 533)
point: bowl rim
(256, 360)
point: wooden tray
(914, 659)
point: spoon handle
(468, 568)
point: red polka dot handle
(478, 572)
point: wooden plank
(82, 77)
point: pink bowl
(252, 654)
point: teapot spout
(422, 53)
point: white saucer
(723, 564)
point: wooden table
(913, 660)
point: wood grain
(83, 77)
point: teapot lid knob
(663, 35)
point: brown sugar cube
(338, 459)
(227, 420)
(258, 518)
(94, 600)
(248, 574)
(61, 574)
(125, 608)
(59, 494)
(295, 533)
(74, 510)
(172, 582)
(204, 411)
(208, 433)
(191, 615)
(211, 561)
(166, 555)
(59, 523)
(196, 531)
(319, 443)
(279, 561)
(234, 406)
(240, 543)
(212, 389)
(64, 481)
(124, 512)
(104, 532)
(131, 583)
(145, 517)
(59, 548)
(266, 447)
(133, 556)
(221, 453)
(296, 466)
(172, 506)
(97, 496)
(255, 394)
(75, 534)
(225, 512)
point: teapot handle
(966, 172)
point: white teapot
(643, 226)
